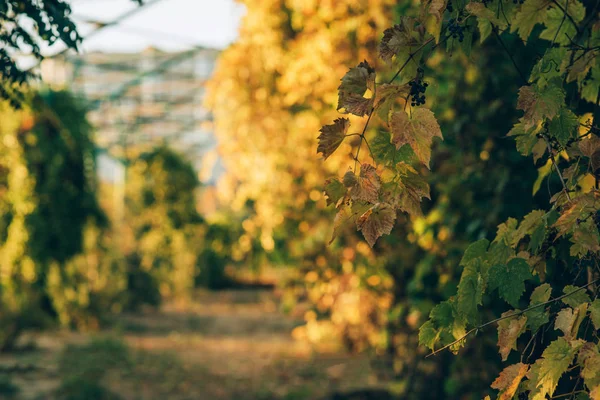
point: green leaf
(505, 231)
(563, 126)
(509, 279)
(531, 222)
(559, 28)
(538, 316)
(475, 250)
(578, 296)
(335, 191)
(595, 313)
(539, 103)
(485, 18)
(525, 138)
(548, 67)
(555, 361)
(470, 293)
(442, 314)
(386, 97)
(417, 130)
(385, 153)
(428, 335)
(532, 12)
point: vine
(526, 259)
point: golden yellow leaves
(509, 379)
(417, 130)
(332, 136)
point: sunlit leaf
(376, 222)
(353, 87)
(568, 321)
(335, 191)
(332, 136)
(400, 39)
(555, 361)
(509, 379)
(364, 187)
(417, 130)
(509, 330)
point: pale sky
(166, 24)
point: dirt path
(224, 345)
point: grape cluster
(417, 92)
(456, 30)
(449, 6)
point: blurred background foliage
(66, 260)
(268, 109)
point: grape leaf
(332, 136)
(589, 359)
(548, 67)
(532, 12)
(400, 39)
(431, 14)
(418, 131)
(364, 187)
(555, 361)
(376, 222)
(525, 138)
(585, 239)
(539, 103)
(505, 231)
(384, 152)
(485, 18)
(538, 316)
(386, 96)
(335, 191)
(470, 293)
(508, 380)
(568, 321)
(563, 126)
(475, 250)
(509, 330)
(589, 91)
(509, 279)
(576, 297)
(353, 87)
(558, 28)
(428, 335)
(595, 313)
(412, 188)
(578, 209)
(531, 222)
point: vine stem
(495, 30)
(410, 57)
(477, 328)
(562, 180)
